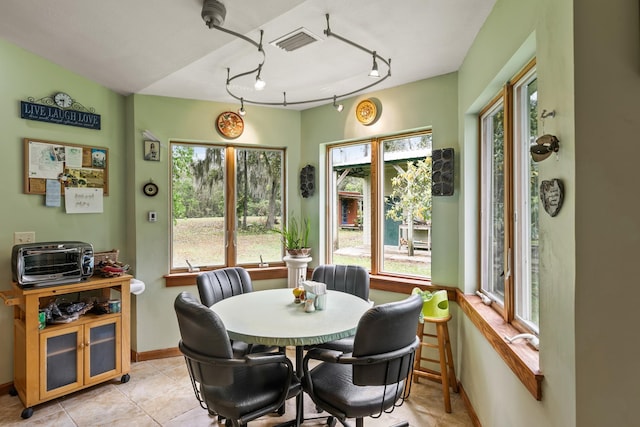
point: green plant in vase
(295, 236)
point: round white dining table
(271, 317)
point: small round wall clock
(230, 124)
(150, 189)
(62, 100)
(366, 112)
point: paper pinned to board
(53, 193)
(83, 200)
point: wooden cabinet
(63, 358)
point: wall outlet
(20, 237)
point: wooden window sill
(189, 279)
(523, 359)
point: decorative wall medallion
(367, 112)
(552, 196)
(230, 124)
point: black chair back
(376, 377)
(384, 329)
(216, 285)
(204, 334)
(239, 389)
(352, 279)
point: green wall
(515, 32)
(425, 104)
(587, 60)
(24, 75)
(185, 120)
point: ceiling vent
(295, 40)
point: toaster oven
(51, 263)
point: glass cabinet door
(61, 364)
(102, 354)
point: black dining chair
(376, 377)
(352, 279)
(236, 389)
(216, 285)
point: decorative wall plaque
(230, 124)
(552, 196)
(59, 108)
(442, 172)
(307, 181)
(367, 112)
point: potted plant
(295, 236)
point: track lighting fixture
(214, 12)
(338, 107)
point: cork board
(72, 165)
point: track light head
(259, 84)
(374, 70)
(338, 107)
(242, 111)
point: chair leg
(418, 358)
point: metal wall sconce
(544, 146)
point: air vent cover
(295, 40)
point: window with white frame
(509, 202)
(226, 201)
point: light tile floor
(160, 393)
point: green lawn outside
(201, 241)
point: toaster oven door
(51, 266)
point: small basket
(106, 263)
(99, 257)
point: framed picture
(152, 150)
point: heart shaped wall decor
(552, 196)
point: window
(226, 201)
(379, 204)
(509, 202)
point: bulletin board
(72, 165)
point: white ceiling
(163, 47)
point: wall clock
(62, 100)
(150, 189)
(230, 124)
(367, 112)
